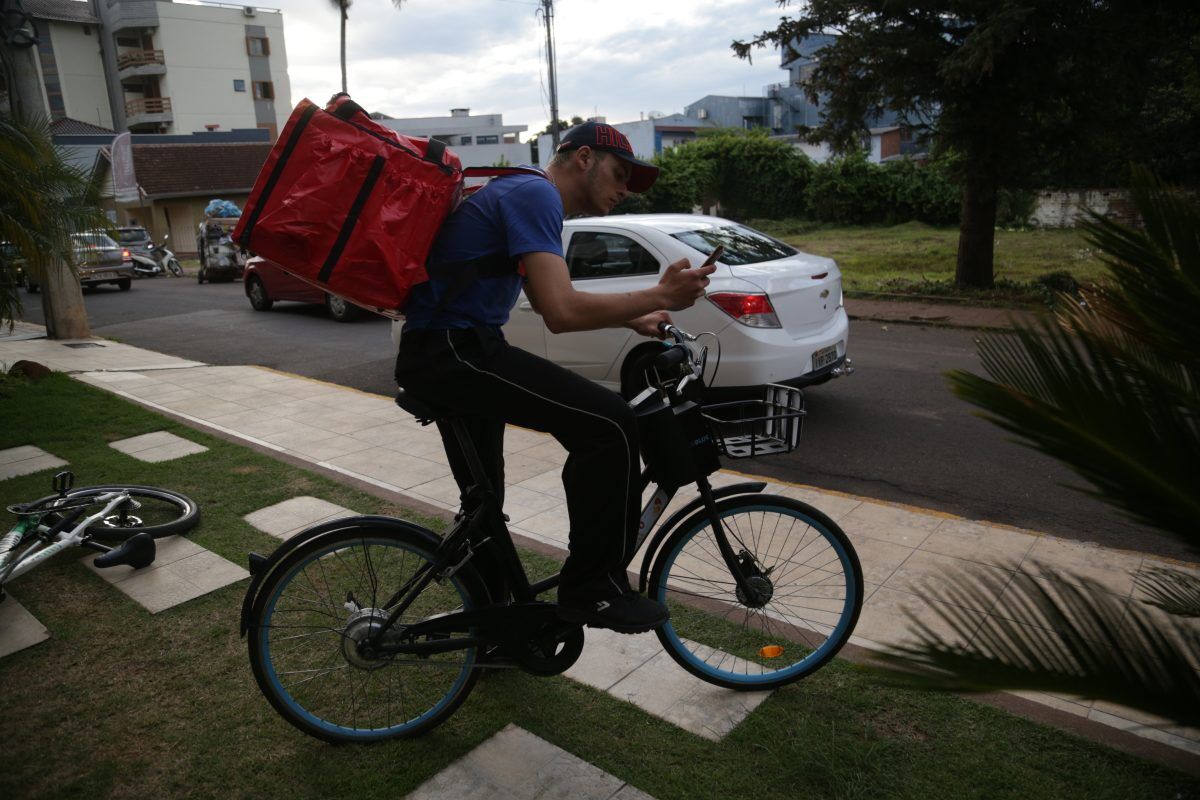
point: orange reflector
(770, 651)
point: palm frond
(45, 200)
(1172, 590)
(1073, 637)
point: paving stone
(157, 447)
(26, 460)
(516, 765)
(636, 669)
(285, 519)
(161, 586)
(18, 628)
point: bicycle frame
(11, 567)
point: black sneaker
(628, 612)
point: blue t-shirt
(510, 216)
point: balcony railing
(148, 105)
(139, 58)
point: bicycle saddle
(424, 413)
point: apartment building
(482, 140)
(156, 66)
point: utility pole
(62, 298)
(548, 18)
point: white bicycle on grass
(130, 516)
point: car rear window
(127, 235)
(742, 245)
(94, 240)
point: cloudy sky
(616, 58)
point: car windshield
(127, 235)
(94, 240)
(742, 245)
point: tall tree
(1011, 85)
(343, 7)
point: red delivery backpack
(351, 206)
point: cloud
(615, 58)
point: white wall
(205, 51)
(81, 72)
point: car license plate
(100, 276)
(825, 356)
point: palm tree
(45, 200)
(1111, 387)
(343, 6)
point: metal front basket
(747, 428)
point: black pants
(474, 373)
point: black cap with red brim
(600, 136)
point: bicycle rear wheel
(162, 512)
(807, 593)
(326, 597)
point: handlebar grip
(670, 359)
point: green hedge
(750, 175)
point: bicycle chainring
(553, 651)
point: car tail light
(125, 254)
(753, 310)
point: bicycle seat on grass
(424, 413)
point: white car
(778, 312)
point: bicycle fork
(741, 566)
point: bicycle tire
(812, 593)
(164, 512)
(303, 620)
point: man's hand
(681, 286)
(647, 325)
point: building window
(487, 140)
(258, 46)
(464, 140)
(264, 90)
(239, 85)
(129, 41)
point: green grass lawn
(918, 259)
(121, 703)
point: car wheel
(124, 284)
(200, 276)
(259, 299)
(339, 309)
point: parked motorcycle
(144, 265)
(166, 259)
(160, 261)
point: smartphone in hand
(717, 252)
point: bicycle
(133, 515)
(372, 627)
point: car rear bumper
(755, 356)
(93, 276)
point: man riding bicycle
(505, 237)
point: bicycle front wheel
(805, 595)
(325, 598)
(160, 512)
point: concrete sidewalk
(365, 438)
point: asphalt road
(891, 431)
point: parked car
(99, 260)
(266, 282)
(777, 311)
(12, 265)
(135, 238)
